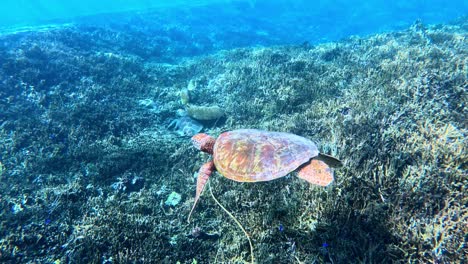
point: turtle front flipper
(203, 174)
(316, 172)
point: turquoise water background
(332, 19)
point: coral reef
(205, 113)
(184, 97)
(85, 111)
(202, 113)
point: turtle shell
(250, 155)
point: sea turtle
(251, 155)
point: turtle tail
(329, 160)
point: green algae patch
(173, 199)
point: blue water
(319, 21)
(36, 12)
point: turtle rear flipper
(316, 172)
(203, 175)
(329, 160)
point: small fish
(324, 248)
(280, 228)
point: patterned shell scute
(250, 155)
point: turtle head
(204, 142)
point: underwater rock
(185, 126)
(205, 113)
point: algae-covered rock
(205, 112)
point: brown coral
(205, 112)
